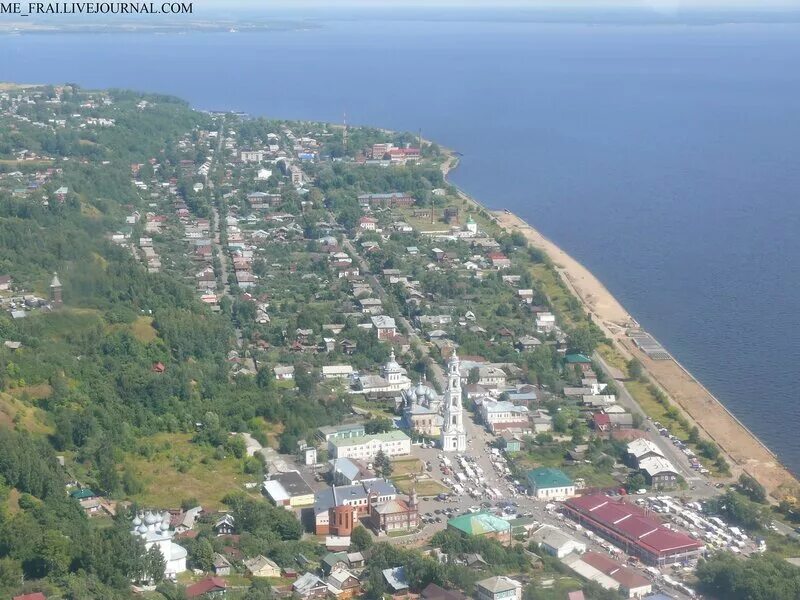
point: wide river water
(663, 157)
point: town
(348, 382)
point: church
(154, 530)
(393, 379)
(422, 410)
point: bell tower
(55, 292)
(453, 437)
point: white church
(154, 530)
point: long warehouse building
(633, 529)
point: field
(425, 487)
(613, 357)
(178, 469)
(407, 466)
(18, 411)
(143, 330)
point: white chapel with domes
(154, 530)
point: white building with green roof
(366, 447)
(550, 484)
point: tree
(201, 555)
(474, 375)
(55, 552)
(236, 445)
(360, 538)
(635, 369)
(380, 425)
(751, 488)
(636, 481)
(694, 435)
(11, 575)
(154, 565)
(382, 465)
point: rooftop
(479, 523)
(633, 523)
(548, 477)
(389, 436)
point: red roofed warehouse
(633, 530)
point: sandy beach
(742, 448)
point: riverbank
(743, 449)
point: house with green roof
(577, 359)
(483, 524)
(547, 483)
(83, 494)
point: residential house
(498, 588)
(212, 587)
(550, 484)
(289, 490)
(343, 584)
(368, 223)
(396, 580)
(224, 525)
(435, 592)
(346, 471)
(659, 472)
(500, 415)
(261, 566)
(283, 373)
(222, 565)
(337, 371)
(310, 586)
(510, 442)
(385, 327)
(545, 322)
(556, 542)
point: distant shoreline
(742, 447)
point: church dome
(142, 529)
(392, 366)
(151, 519)
(137, 521)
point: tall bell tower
(453, 436)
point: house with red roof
(601, 421)
(500, 260)
(368, 223)
(213, 587)
(628, 581)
